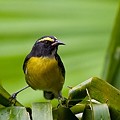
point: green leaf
(115, 115)
(87, 114)
(99, 90)
(97, 112)
(111, 71)
(14, 113)
(79, 108)
(63, 113)
(5, 98)
(42, 111)
(101, 112)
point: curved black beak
(57, 42)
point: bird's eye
(46, 42)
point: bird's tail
(48, 95)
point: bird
(44, 69)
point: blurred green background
(84, 26)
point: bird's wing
(25, 62)
(60, 64)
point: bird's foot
(12, 98)
(62, 101)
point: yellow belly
(43, 73)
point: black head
(46, 46)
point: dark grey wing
(60, 64)
(31, 54)
(25, 61)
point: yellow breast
(43, 73)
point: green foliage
(98, 112)
(5, 98)
(14, 113)
(93, 99)
(96, 89)
(111, 71)
(85, 29)
(42, 111)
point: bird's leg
(14, 95)
(61, 100)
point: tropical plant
(93, 99)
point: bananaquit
(44, 69)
